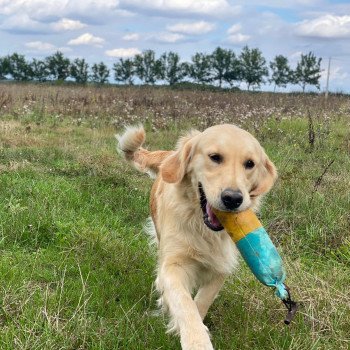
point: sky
(106, 30)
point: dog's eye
(249, 164)
(216, 158)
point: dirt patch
(7, 126)
(14, 134)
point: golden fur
(191, 257)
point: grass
(76, 269)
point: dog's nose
(231, 199)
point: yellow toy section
(238, 225)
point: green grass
(76, 269)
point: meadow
(76, 268)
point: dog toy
(259, 253)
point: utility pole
(328, 73)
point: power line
(328, 73)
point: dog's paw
(200, 345)
(194, 340)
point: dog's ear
(174, 167)
(267, 177)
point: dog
(223, 167)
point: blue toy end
(281, 291)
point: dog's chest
(216, 253)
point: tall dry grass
(159, 106)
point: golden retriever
(223, 167)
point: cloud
(336, 73)
(184, 8)
(42, 9)
(295, 56)
(66, 24)
(40, 46)
(278, 4)
(123, 53)
(87, 39)
(31, 7)
(234, 35)
(22, 24)
(88, 11)
(238, 38)
(131, 37)
(325, 27)
(167, 37)
(234, 29)
(194, 28)
(162, 37)
(43, 47)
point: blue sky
(105, 30)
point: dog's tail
(130, 146)
(130, 141)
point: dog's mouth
(209, 217)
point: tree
(308, 71)
(124, 71)
(253, 67)
(171, 69)
(4, 67)
(234, 72)
(58, 65)
(79, 70)
(18, 67)
(147, 68)
(281, 72)
(100, 73)
(39, 70)
(224, 65)
(200, 68)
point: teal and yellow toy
(259, 253)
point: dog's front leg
(207, 293)
(175, 285)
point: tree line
(222, 67)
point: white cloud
(131, 37)
(234, 35)
(123, 53)
(40, 46)
(21, 24)
(295, 57)
(39, 9)
(167, 37)
(24, 24)
(87, 39)
(296, 4)
(43, 47)
(162, 37)
(238, 38)
(338, 77)
(326, 27)
(336, 73)
(234, 29)
(171, 8)
(10, 7)
(66, 24)
(194, 28)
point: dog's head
(226, 166)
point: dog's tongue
(212, 217)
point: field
(76, 268)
